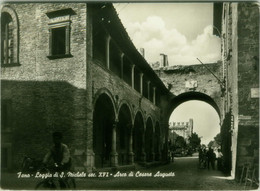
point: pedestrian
(219, 159)
(211, 156)
(204, 158)
(200, 157)
(172, 155)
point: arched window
(9, 37)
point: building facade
(240, 57)
(71, 67)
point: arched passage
(193, 112)
(149, 138)
(138, 136)
(188, 96)
(123, 134)
(157, 136)
(103, 121)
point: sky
(205, 122)
(183, 31)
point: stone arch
(103, 122)
(188, 96)
(124, 128)
(109, 94)
(149, 140)
(138, 136)
(142, 114)
(124, 102)
(15, 27)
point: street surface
(184, 174)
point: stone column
(154, 95)
(148, 89)
(133, 76)
(141, 83)
(122, 66)
(107, 51)
(131, 154)
(113, 154)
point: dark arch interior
(149, 135)
(157, 140)
(123, 131)
(103, 120)
(138, 136)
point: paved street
(187, 177)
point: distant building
(184, 129)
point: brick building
(240, 57)
(71, 67)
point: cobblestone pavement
(184, 174)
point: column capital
(141, 74)
(122, 54)
(148, 82)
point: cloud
(155, 38)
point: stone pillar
(107, 51)
(90, 155)
(133, 76)
(131, 154)
(141, 83)
(154, 95)
(166, 146)
(122, 65)
(143, 154)
(148, 89)
(113, 154)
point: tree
(211, 143)
(180, 142)
(194, 140)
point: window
(58, 41)
(59, 33)
(9, 37)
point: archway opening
(123, 132)
(138, 136)
(191, 119)
(157, 136)
(149, 136)
(103, 121)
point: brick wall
(241, 48)
(103, 78)
(248, 78)
(177, 76)
(46, 95)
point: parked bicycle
(54, 179)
